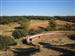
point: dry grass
(62, 23)
(8, 28)
(38, 23)
(34, 24)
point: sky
(37, 7)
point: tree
(25, 24)
(52, 25)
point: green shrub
(18, 33)
(6, 41)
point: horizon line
(37, 15)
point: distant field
(44, 23)
(34, 24)
(60, 22)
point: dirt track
(49, 36)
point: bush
(18, 33)
(52, 25)
(6, 41)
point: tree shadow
(72, 46)
(25, 51)
(65, 52)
